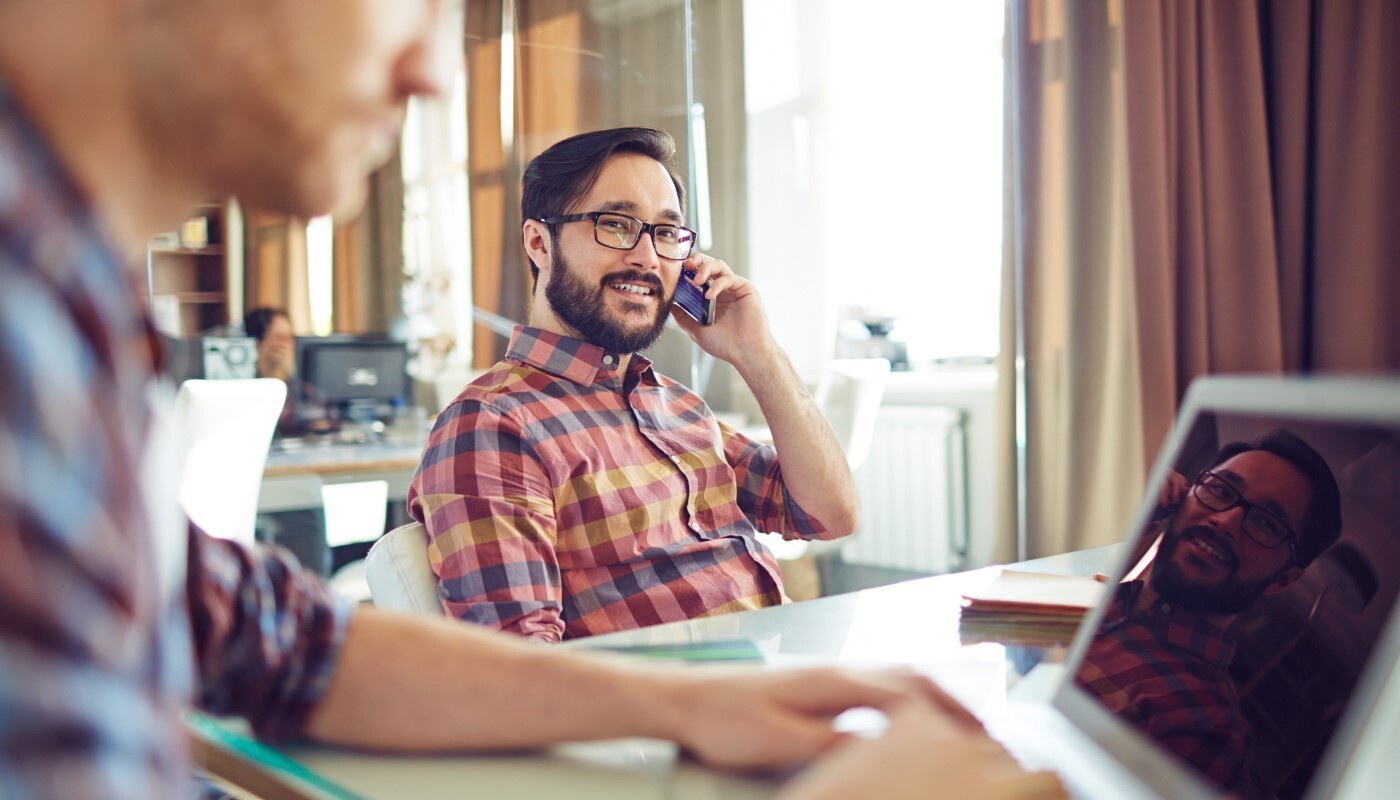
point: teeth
(631, 287)
(1211, 550)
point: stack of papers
(1028, 608)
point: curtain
(367, 262)
(1263, 184)
(539, 49)
(275, 266)
(1074, 335)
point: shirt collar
(1183, 628)
(566, 357)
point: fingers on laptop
(924, 753)
(888, 688)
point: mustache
(634, 276)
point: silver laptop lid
(1243, 648)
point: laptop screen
(1262, 579)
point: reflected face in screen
(1226, 655)
(1208, 563)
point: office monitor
(357, 376)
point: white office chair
(399, 575)
(225, 429)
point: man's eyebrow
(628, 207)
(619, 205)
(1268, 503)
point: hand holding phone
(691, 298)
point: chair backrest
(399, 575)
(849, 397)
(226, 427)
(355, 512)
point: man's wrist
(663, 699)
(761, 363)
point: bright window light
(914, 192)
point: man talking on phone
(572, 490)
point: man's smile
(1211, 546)
(633, 288)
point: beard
(1227, 596)
(584, 308)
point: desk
(911, 623)
(293, 474)
(290, 503)
(340, 462)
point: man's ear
(1284, 580)
(535, 236)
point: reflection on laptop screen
(1256, 593)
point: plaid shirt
(564, 499)
(1166, 671)
(114, 614)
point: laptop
(1261, 684)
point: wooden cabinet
(196, 272)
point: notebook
(1226, 667)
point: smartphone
(691, 298)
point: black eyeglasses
(621, 232)
(1218, 494)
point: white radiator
(913, 492)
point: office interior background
(1049, 215)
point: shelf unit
(196, 285)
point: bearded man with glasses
(572, 490)
(1248, 526)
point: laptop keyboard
(1042, 740)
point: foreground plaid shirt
(564, 499)
(1166, 671)
(114, 616)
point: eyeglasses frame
(1249, 507)
(647, 228)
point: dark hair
(257, 321)
(559, 176)
(1322, 523)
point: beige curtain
(1264, 182)
(367, 258)
(546, 104)
(1224, 202)
(275, 266)
(1083, 454)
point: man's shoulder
(508, 379)
(506, 388)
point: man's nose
(1232, 518)
(427, 67)
(643, 255)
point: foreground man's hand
(742, 719)
(924, 753)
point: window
(875, 158)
